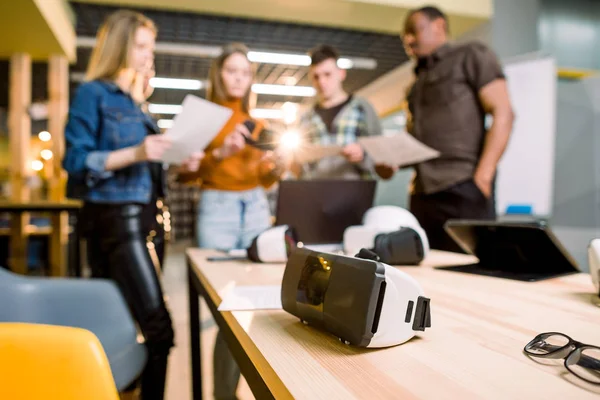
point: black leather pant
(116, 248)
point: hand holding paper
(152, 148)
(353, 152)
(309, 153)
(194, 128)
(401, 150)
(192, 163)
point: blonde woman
(112, 154)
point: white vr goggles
(363, 302)
(393, 233)
(273, 245)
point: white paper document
(310, 153)
(400, 149)
(244, 298)
(194, 128)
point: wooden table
(59, 212)
(473, 349)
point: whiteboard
(526, 170)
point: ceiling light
(266, 113)
(46, 154)
(267, 57)
(164, 108)
(173, 83)
(165, 123)
(345, 63)
(279, 58)
(358, 63)
(304, 60)
(283, 90)
(45, 136)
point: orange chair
(53, 362)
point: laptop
(524, 251)
(321, 210)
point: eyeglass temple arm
(589, 362)
(584, 361)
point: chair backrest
(60, 301)
(7, 275)
(20, 293)
(53, 362)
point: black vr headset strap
(253, 251)
(401, 247)
(367, 254)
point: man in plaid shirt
(337, 118)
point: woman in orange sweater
(233, 207)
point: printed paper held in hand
(243, 298)
(310, 153)
(401, 150)
(194, 128)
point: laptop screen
(321, 210)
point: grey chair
(95, 305)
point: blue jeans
(231, 220)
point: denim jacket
(102, 118)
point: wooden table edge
(47, 204)
(248, 356)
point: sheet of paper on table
(400, 149)
(194, 128)
(245, 298)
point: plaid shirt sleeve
(350, 125)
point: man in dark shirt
(456, 87)
(337, 118)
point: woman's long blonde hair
(216, 91)
(114, 44)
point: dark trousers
(117, 250)
(461, 201)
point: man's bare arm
(495, 101)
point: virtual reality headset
(404, 246)
(273, 245)
(362, 301)
(393, 233)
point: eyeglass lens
(585, 363)
(546, 344)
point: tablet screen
(514, 247)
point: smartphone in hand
(266, 138)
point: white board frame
(526, 170)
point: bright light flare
(290, 140)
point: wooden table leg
(18, 242)
(77, 269)
(195, 331)
(58, 243)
